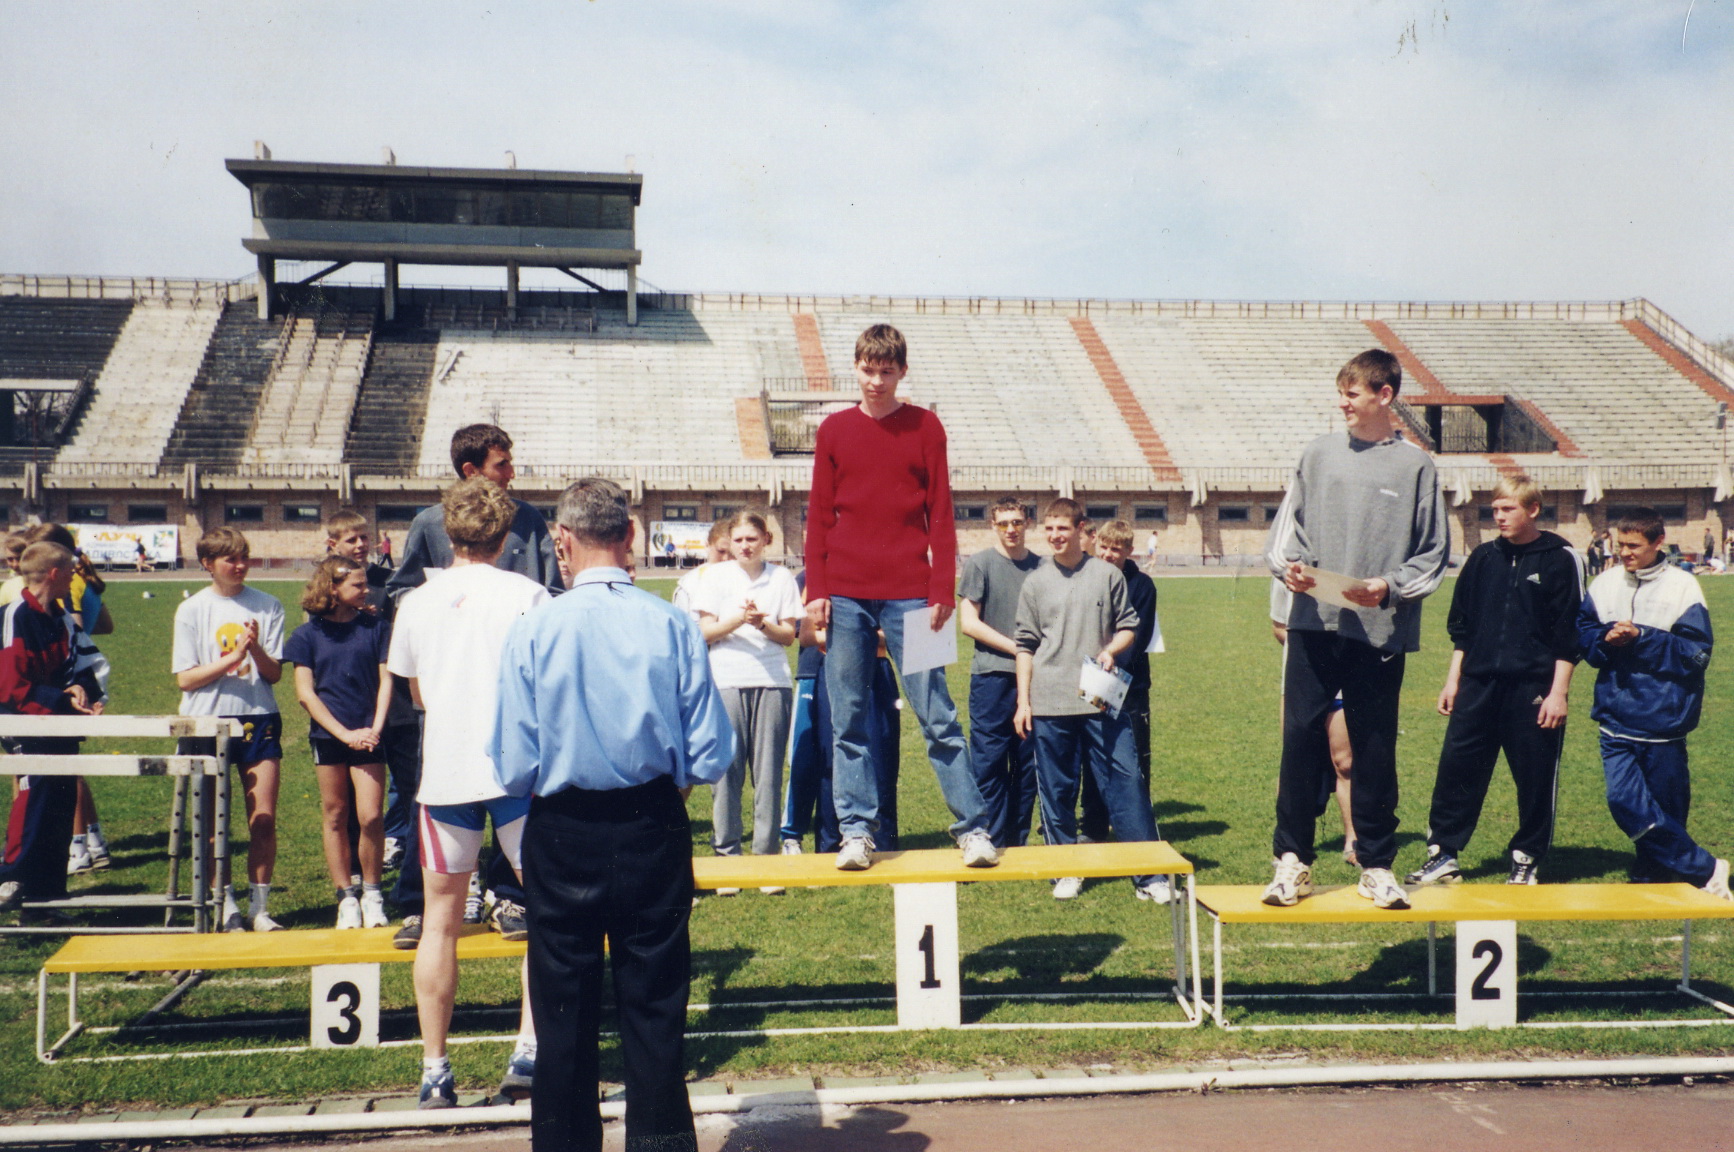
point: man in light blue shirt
(607, 715)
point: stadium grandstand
(268, 404)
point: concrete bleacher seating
(142, 386)
(58, 339)
(391, 405)
(303, 414)
(663, 391)
(1010, 389)
(212, 425)
(1615, 398)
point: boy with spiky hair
(1004, 762)
(1513, 627)
(1365, 504)
(1645, 628)
(881, 544)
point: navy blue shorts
(328, 749)
(261, 739)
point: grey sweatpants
(761, 721)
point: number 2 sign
(1486, 974)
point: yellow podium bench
(924, 886)
(1486, 916)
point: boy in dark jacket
(1513, 626)
(1644, 625)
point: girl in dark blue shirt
(340, 678)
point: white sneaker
(978, 849)
(1381, 887)
(728, 891)
(1717, 884)
(349, 912)
(772, 890)
(98, 848)
(262, 922)
(791, 847)
(856, 854)
(393, 853)
(1293, 881)
(1068, 887)
(373, 910)
(78, 858)
(1158, 890)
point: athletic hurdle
(209, 780)
(1486, 918)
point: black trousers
(614, 865)
(1490, 715)
(1316, 666)
(39, 825)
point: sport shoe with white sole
(78, 858)
(1717, 884)
(408, 934)
(1523, 867)
(1157, 890)
(1068, 887)
(349, 912)
(856, 855)
(262, 922)
(1381, 887)
(98, 850)
(507, 918)
(1440, 868)
(393, 853)
(438, 1093)
(373, 910)
(791, 847)
(1293, 881)
(978, 849)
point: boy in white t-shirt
(227, 657)
(446, 642)
(748, 611)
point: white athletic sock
(93, 833)
(77, 843)
(258, 895)
(433, 1067)
(366, 887)
(229, 906)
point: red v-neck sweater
(879, 517)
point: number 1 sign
(926, 934)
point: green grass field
(1216, 747)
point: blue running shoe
(439, 1093)
(520, 1072)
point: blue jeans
(1004, 762)
(1103, 745)
(849, 678)
(809, 801)
(1649, 795)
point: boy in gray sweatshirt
(1364, 504)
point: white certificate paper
(923, 648)
(1104, 690)
(1328, 587)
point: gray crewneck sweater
(1366, 509)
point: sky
(1181, 149)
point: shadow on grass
(871, 1129)
(1168, 809)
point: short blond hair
(343, 520)
(478, 514)
(1519, 487)
(43, 557)
(1115, 534)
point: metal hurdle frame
(197, 778)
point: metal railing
(166, 289)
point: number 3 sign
(1487, 974)
(345, 1006)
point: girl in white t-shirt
(748, 611)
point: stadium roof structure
(391, 215)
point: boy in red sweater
(880, 506)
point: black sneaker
(1440, 868)
(508, 920)
(409, 935)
